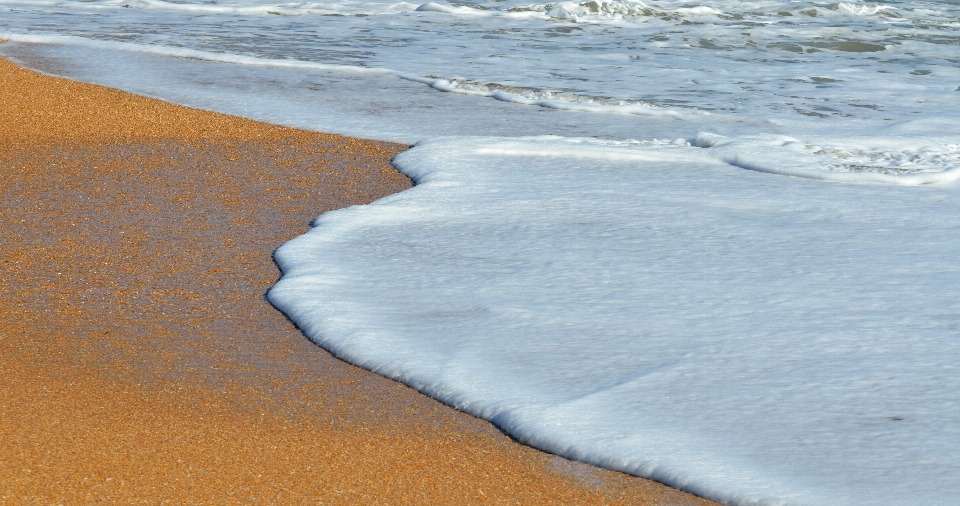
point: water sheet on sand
(745, 336)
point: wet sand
(139, 361)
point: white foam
(748, 337)
(891, 164)
(863, 9)
(449, 9)
(700, 10)
(559, 100)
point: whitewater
(710, 243)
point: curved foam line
(728, 155)
(189, 53)
(926, 178)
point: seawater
(795, 68)
(711, 243)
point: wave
(560, 100)
(511, 94)
(260, 9)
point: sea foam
(750, 337)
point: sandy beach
(140, 362)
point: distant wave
(524, 96)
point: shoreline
(142, 362)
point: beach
(706, 244)
(140, 359)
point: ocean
(710, 243)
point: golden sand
(139, 362)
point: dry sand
(139, 362)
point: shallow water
(784, 67)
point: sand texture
(139, 362)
